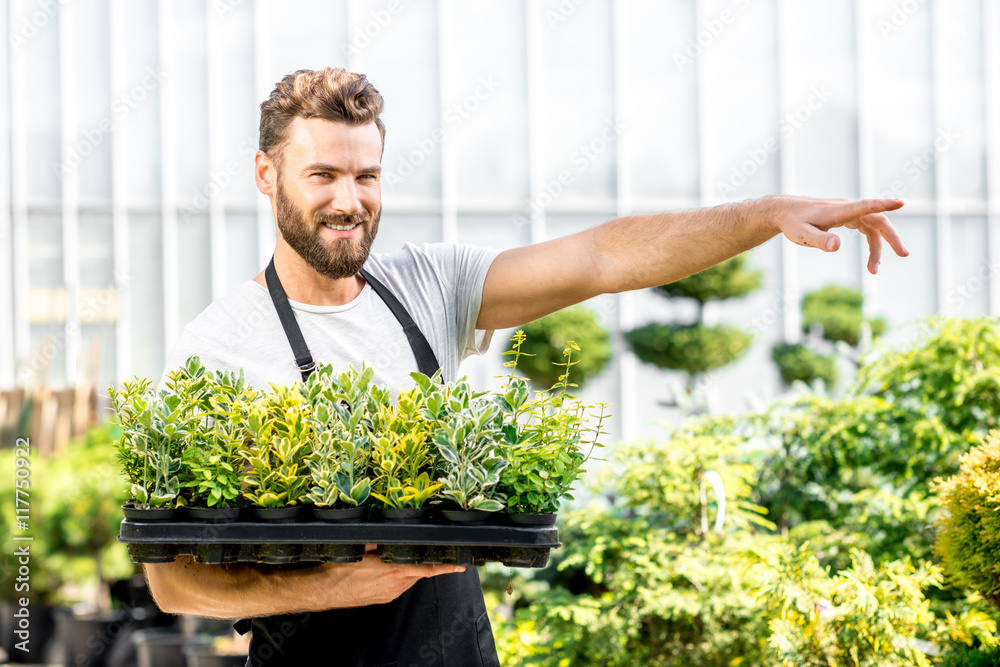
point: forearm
(641, 251)
(235, 591)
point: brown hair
(330, 93)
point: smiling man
(324, 298)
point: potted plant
(338, 465)
(280, 445)
(468, 462)
(212, 465)
(542, 440)
(401, 459)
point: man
(321, 143)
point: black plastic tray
(318, 542)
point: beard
(341, 259)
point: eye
(369, 176)
(323, 174)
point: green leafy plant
(340, 421)
(279, 449)
(402, 456)
(545, 338)
(969, 529)
(543, 437)
(800, 363)
(837, 309)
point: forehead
(315, 140)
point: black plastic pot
(215, 514)
(156, 647)
(531, 519)
(275, 514)
(467, 517)
(149, 513)
(202, 656)
(401, 553)
(89, 640)
(404, 514)
(337, 514)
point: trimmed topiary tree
(546, 338)
(800, 363)
(695, 347)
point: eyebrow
(322, 166)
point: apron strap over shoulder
(427, 363)
(303, 357)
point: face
(328, 194)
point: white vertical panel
(265, 221)
(216, 153)
(791, 317)
(706, 195)
(119, 197)
(446, 89)
(533, 75)
(942, 160)
(7, 322)
(866, 164)
(991, 73)
(19, 196)
(168, 182)
(623, 206)
(70, 188)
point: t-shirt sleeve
(466, 267)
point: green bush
(729, 280)
(546, 339)
(695, 348)
(969, 537)
(799, 363)
(838, 309)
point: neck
(303, 284)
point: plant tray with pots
(342, 542)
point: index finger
(859, 209)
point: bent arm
(244, 591)
(641, 251)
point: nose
(346, 199)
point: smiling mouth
(340, 228)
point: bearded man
(324, 298)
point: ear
(265, 174)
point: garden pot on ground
(159, 647)
(88, 640)
(42, 628)
(199, 655)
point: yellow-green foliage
(969, 538)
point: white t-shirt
(440, 285)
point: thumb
(809, 236)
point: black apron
(439, 621)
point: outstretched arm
(641, 251)
(245, 591)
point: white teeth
(340, 228)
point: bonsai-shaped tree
(695, 347)
(545, 338)
(835, 312)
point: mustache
(350, 219)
